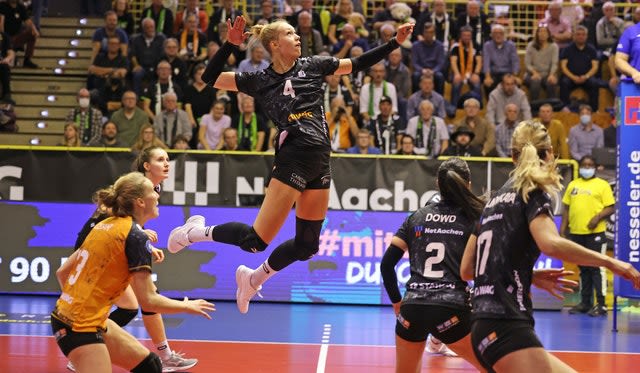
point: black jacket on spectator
(163, 19)
(149, 55)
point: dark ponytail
(453, 181)
(143, 157)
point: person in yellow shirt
(116, 253)
(588, 202)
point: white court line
(324, 349)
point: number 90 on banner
(21, 269)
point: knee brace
(123, 316)
(150, 364)
(241, 235)
(307, 237)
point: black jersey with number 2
(294, 100)
(506, 253)
(436, 236)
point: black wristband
(217, 62)
(390, 258)
(373, 56)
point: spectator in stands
(387, 128)
(387, 31)
(39, 8)
(211, 127)
(631, 18)
(87, 118)
(502, 18)
(466, 66)
(316, 23)
(7, 58)
(373, 91)
(428, 57)
(430, 132)
(71, 136)
(559, 27)
(609, 29)
(363, 144)
(461, 144)
(579, 65)
(219, 18)
(407, 145)
(230, 139)
(191, 7)
(252, 127)
(443, 24)
(101, 36)
(476, 20)
(172, 121)
(161, 15)
(198, 99)
(585, 136)
(125, 18)
(311, 42)
(146, 50)
(556, 131)
(344, 8)
(178, 66)
(348, 39)
(129, 119)
(334, 88)
(108, 138)
(151, 98)
(147, 138)
(342, 125)
(484, 132)
(504, 130)
(255, 62)
(541, 62)
(400, 76)
(384, 16)
(359, 22)
(106, 80)
(180, 143)
(627, 58)
(266, 12)
(426, 92)
(356, 78)
(507, 93)
(193, 43)
(499, 57)
(19, 27)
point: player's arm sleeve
(539, 204)
(137, 249)
(390, 258)
(373, 56)
(217, 62)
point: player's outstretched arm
(373, 56)
(145, 292)
(213, 74)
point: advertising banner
(627, 233)
(346, 269)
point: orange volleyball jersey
(113, 250)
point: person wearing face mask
(87, 118)
(585, 136)
(588, 202)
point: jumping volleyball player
(291, 93)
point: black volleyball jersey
(294, 101)
(506, 253)
(436, 236)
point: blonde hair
(268, 33)
(120, 197)
(76, 140)
(140, 144)
(529, 146)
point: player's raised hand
(236, 33)
(404, 31)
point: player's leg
(92, 358)
(463, 348)
(531, 360)
(408, 355)
(127, 352)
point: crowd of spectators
(146, 75)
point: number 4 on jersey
(288, 89)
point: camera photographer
(342, 126)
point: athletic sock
(199, 234)
(164, 351)
(261, 274)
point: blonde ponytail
(268, 33)
(529, 145)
